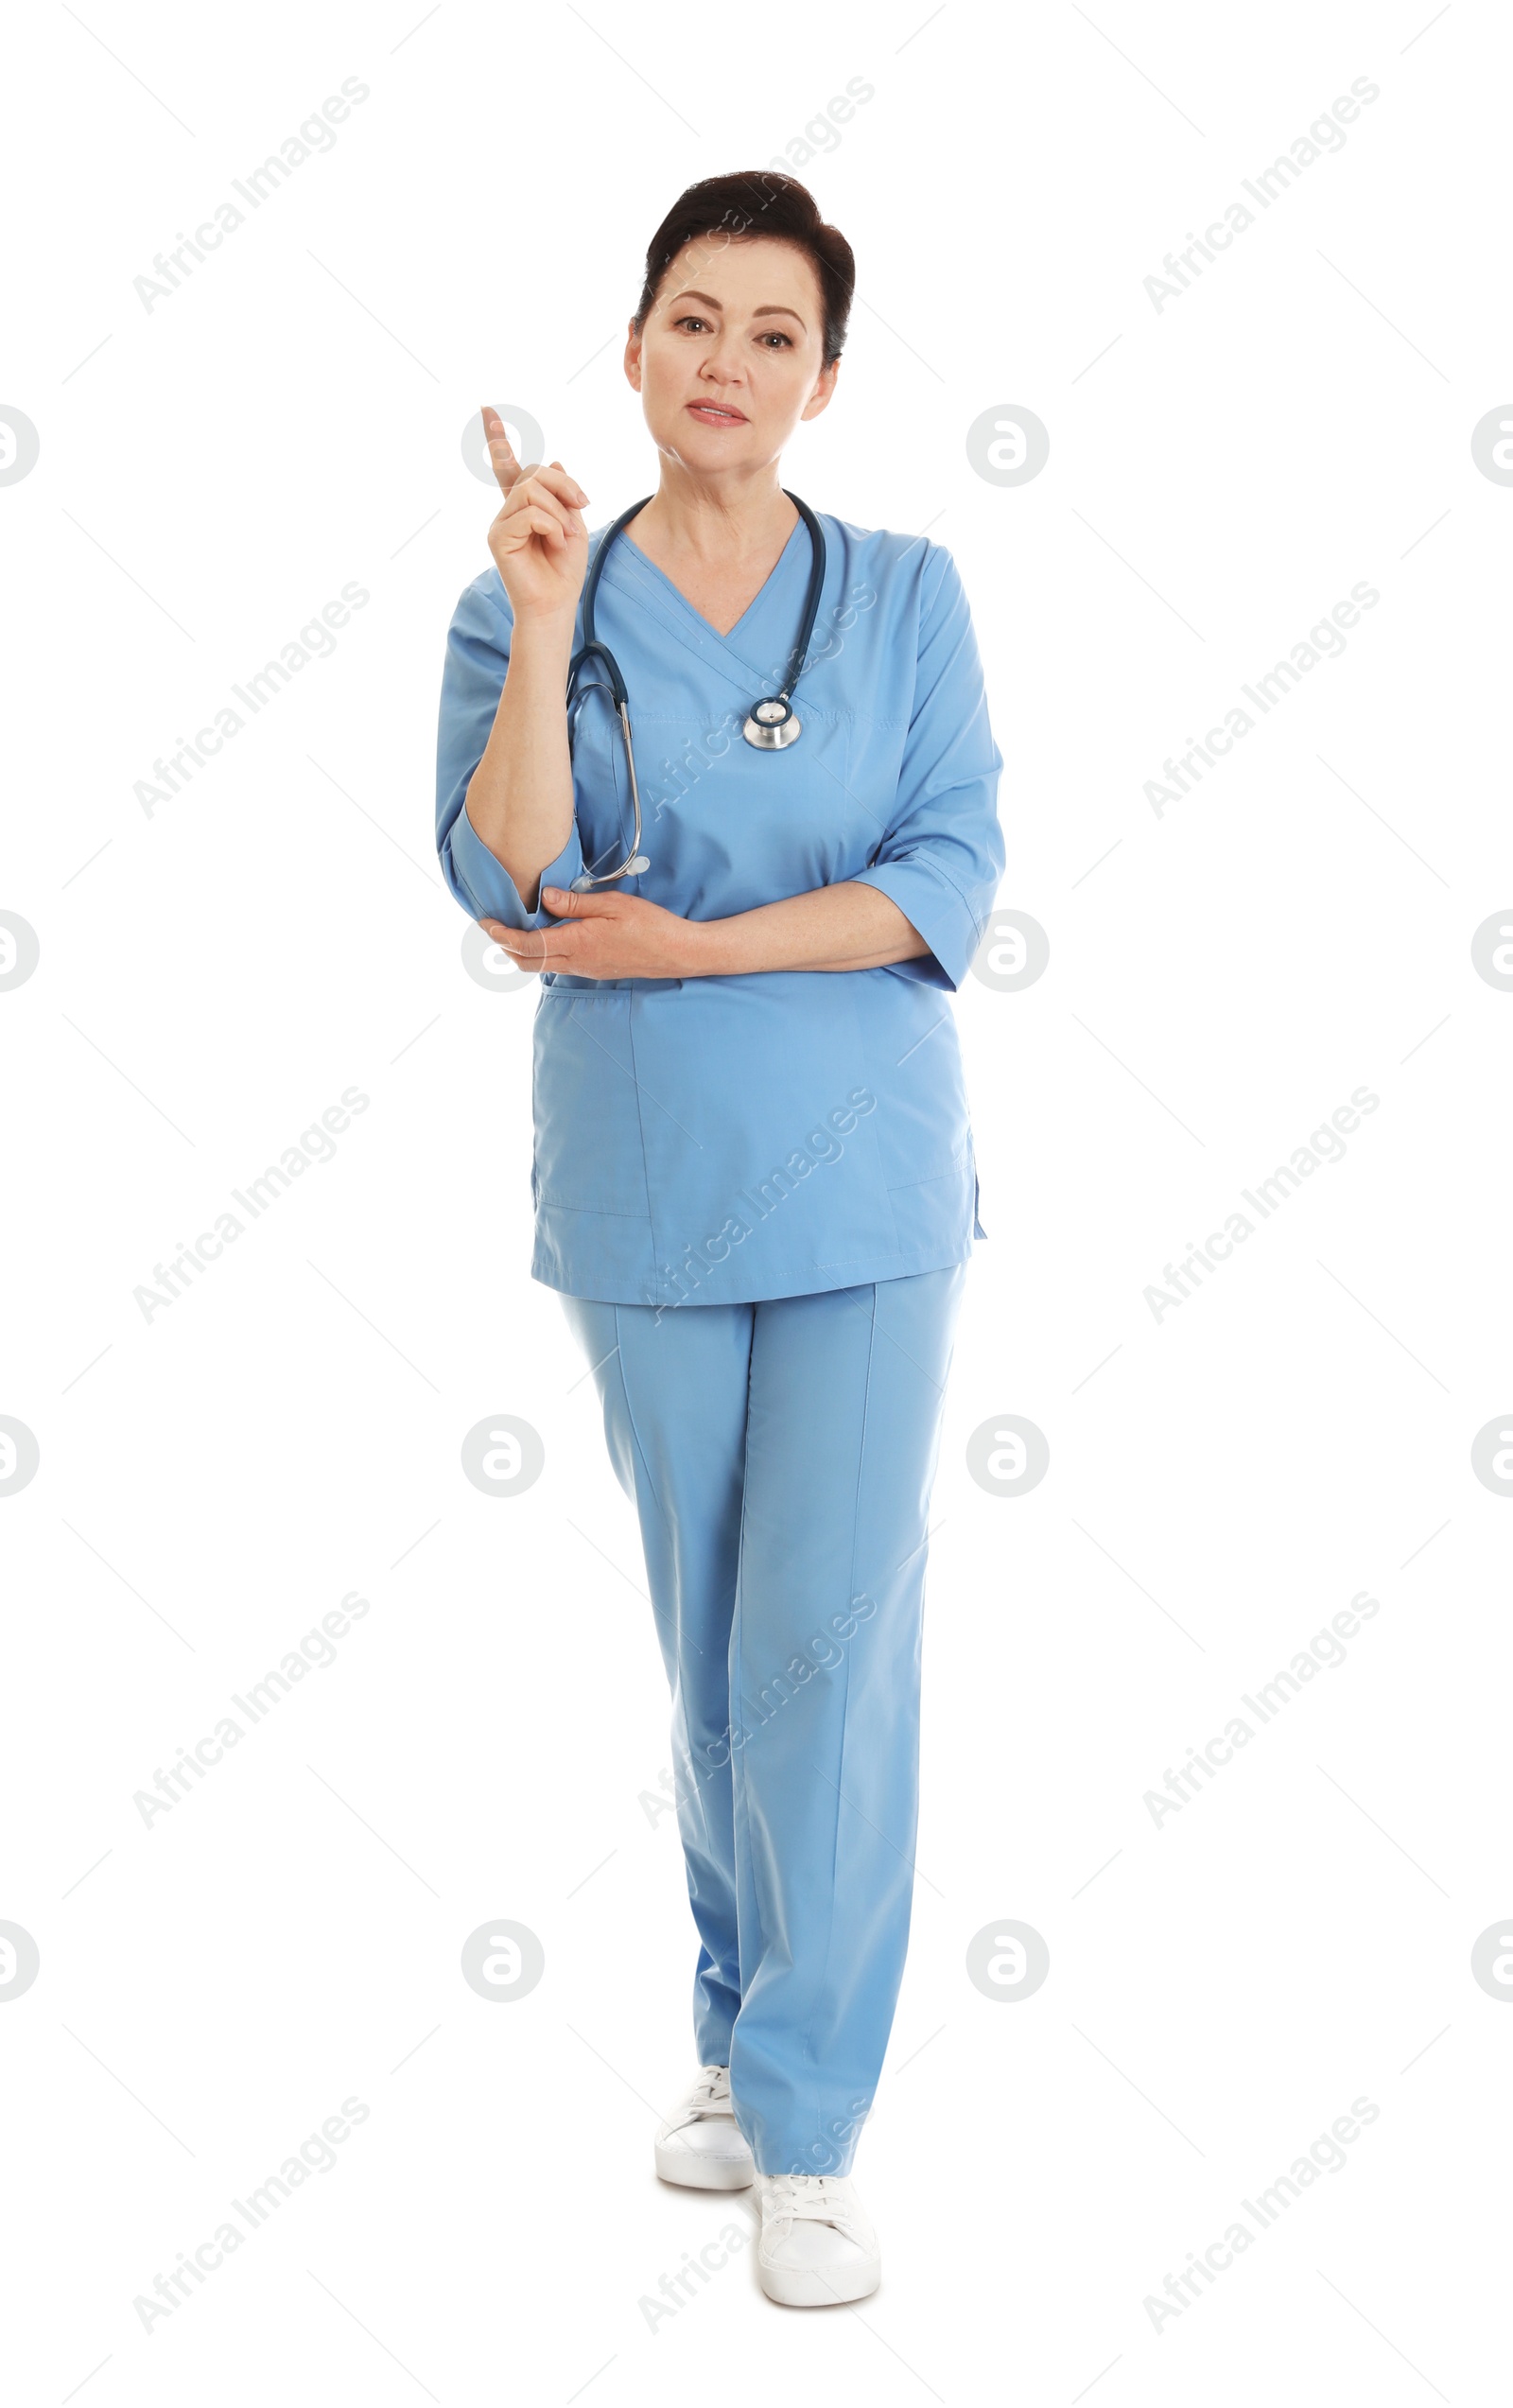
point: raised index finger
(501, 457)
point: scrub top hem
(867, 1273)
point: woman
(753, 1177)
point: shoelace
(710, 2095)
(814, 2197)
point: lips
(715, 415)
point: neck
(716, 517)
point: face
(728, 362)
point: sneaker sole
(698, 2172)
(791, 2287)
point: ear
(633, 358)
(824, 389)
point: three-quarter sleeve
(477, 655)
(941, 856)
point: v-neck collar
(706, 626)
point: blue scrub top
(716, 1141)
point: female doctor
(749, 895)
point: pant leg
(673, 1390)
(843, 1435)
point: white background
(1223, 1480)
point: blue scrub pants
(780, 1457)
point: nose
(721, 363)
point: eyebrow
(769, 309)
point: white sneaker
(818, 2247)
(700, 2143)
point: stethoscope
(771, 724)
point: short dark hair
(757, 202)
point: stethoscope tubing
(773, 712)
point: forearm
(847, 926)
(520, 800)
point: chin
(703, 447)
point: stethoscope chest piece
(773, 725)
(632, 868)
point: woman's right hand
(539, 541)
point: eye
(786, 341)
(690, 321)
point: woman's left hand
(602, 935)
